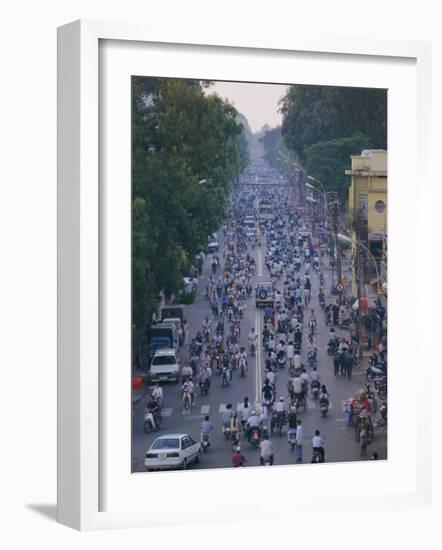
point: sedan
(172, 451)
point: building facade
(367, 203)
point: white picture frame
(80, 294)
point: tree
(328, 160)
(312, 114)
(180, 137)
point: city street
(340, 443)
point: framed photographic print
(230, 260)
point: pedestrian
(299, 442)
(374, 456)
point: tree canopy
(187, 148)
(327, 161)
(312, 114)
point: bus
(265, 211)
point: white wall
(28, 222)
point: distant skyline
(257, 102)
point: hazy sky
(257, 102)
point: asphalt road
(340, 444)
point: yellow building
(367, 203)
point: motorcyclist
(280, 410)
(235, 428)
(238, 459)
(324, 398)
(205, 376)
(227, 416)
(186, 372)
(153, 408)
(268, 393)
(188, 387)
(206, 427)
(242, 355)
(297, 388)
(157, 394)
(245, 412)
(253, 423)
(252, 339)
(266, 448)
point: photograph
(259, 274)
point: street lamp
(202, 182)
(362, 245)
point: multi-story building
(368, 208)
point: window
(379, 206)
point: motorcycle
(372, 398)
(266, 461)
(331, 347)
(281, 359)
(292, 439)
(205, 442)
(381, 387)
(204, 387)
(311, 357)
(226, 376)
(324, 406)
(242, 367)
(254, 437)
(187, 401)
(376, 372)
(315, 389)
(150, 423)
(227, 431)
(252, 347)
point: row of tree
(187, 148)
(324, 125)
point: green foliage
(328, 160)
(313, 114)
(275, 149)
(180, 136)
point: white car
(172, 451)
(165, 366)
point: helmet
(281, 398)
(238, 449)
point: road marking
(311, 405)
(205, 409)
(222, 408)
(238, 407)
(167, 412)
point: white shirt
(299, 435)
(314, 376)
(157, 393)
(305, 377)
(297, 384)
(245, 412)
(279, 406)
(317, 441)
(297, 361)
(266, 447)
(290, 351)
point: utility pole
(334, 213)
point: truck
(161, 335)
(172, 312)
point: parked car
(213, 244)
(172, 451)
(165, 366)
